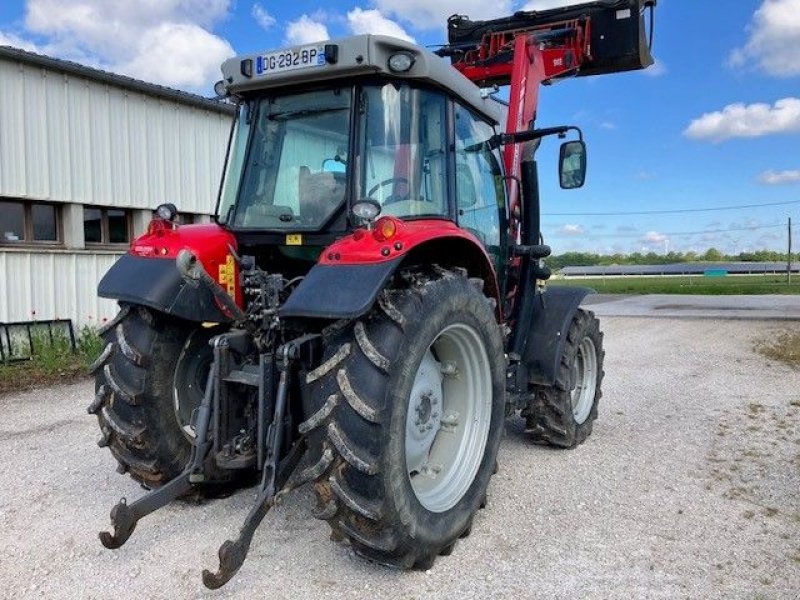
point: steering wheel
(393, 197)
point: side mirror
(333, 165)
(572, 165)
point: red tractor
(369, 305)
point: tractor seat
(319, 194)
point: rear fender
(555, 307)
(352, 271)
(148, 275)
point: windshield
(290, 157)
(295, 170)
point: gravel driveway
(688, 488)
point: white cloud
(657, 69)
(305, 30)
(751, 120)
(608, 125)
(778, 177)
(430, 14)
(107, 23)
(162, 41)
(653, 237)
(169, 53)
(572, 229)
(9, 39)
(262, 17)
(372, 21)
(774, 42)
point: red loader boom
(538, 47)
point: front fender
(554, 310)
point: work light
(400, 62)
(367, 210)
(168, 211)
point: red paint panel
(210, 243)
(363, 247)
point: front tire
(405, 415)
(563, 415)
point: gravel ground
(687, 489)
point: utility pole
(789, 254)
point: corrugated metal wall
(54, 285)
(69, 139)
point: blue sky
(716, 123)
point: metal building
(85, 156)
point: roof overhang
(360, 55)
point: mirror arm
(517, 137)
(502, 139)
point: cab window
(404, 164)
(480, 194)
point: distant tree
(713, 255)
(588, 259)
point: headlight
(401, 62)
(168, 212)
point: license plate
(288, 60)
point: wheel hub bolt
(449, 369)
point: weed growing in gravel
(784, 347)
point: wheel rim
(448, 419)
(584, 380)
(191, 375)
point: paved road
(687, 489)
(770, 307)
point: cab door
(479, 186)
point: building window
(29, 223)
(106, 225)
(189, 218)
(185, 218)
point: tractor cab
(387, 129)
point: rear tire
(357, 416)
(563, 415)
(134, 400)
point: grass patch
(784, 347)
(53, 362)
(681, 284)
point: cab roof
(353, 56)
